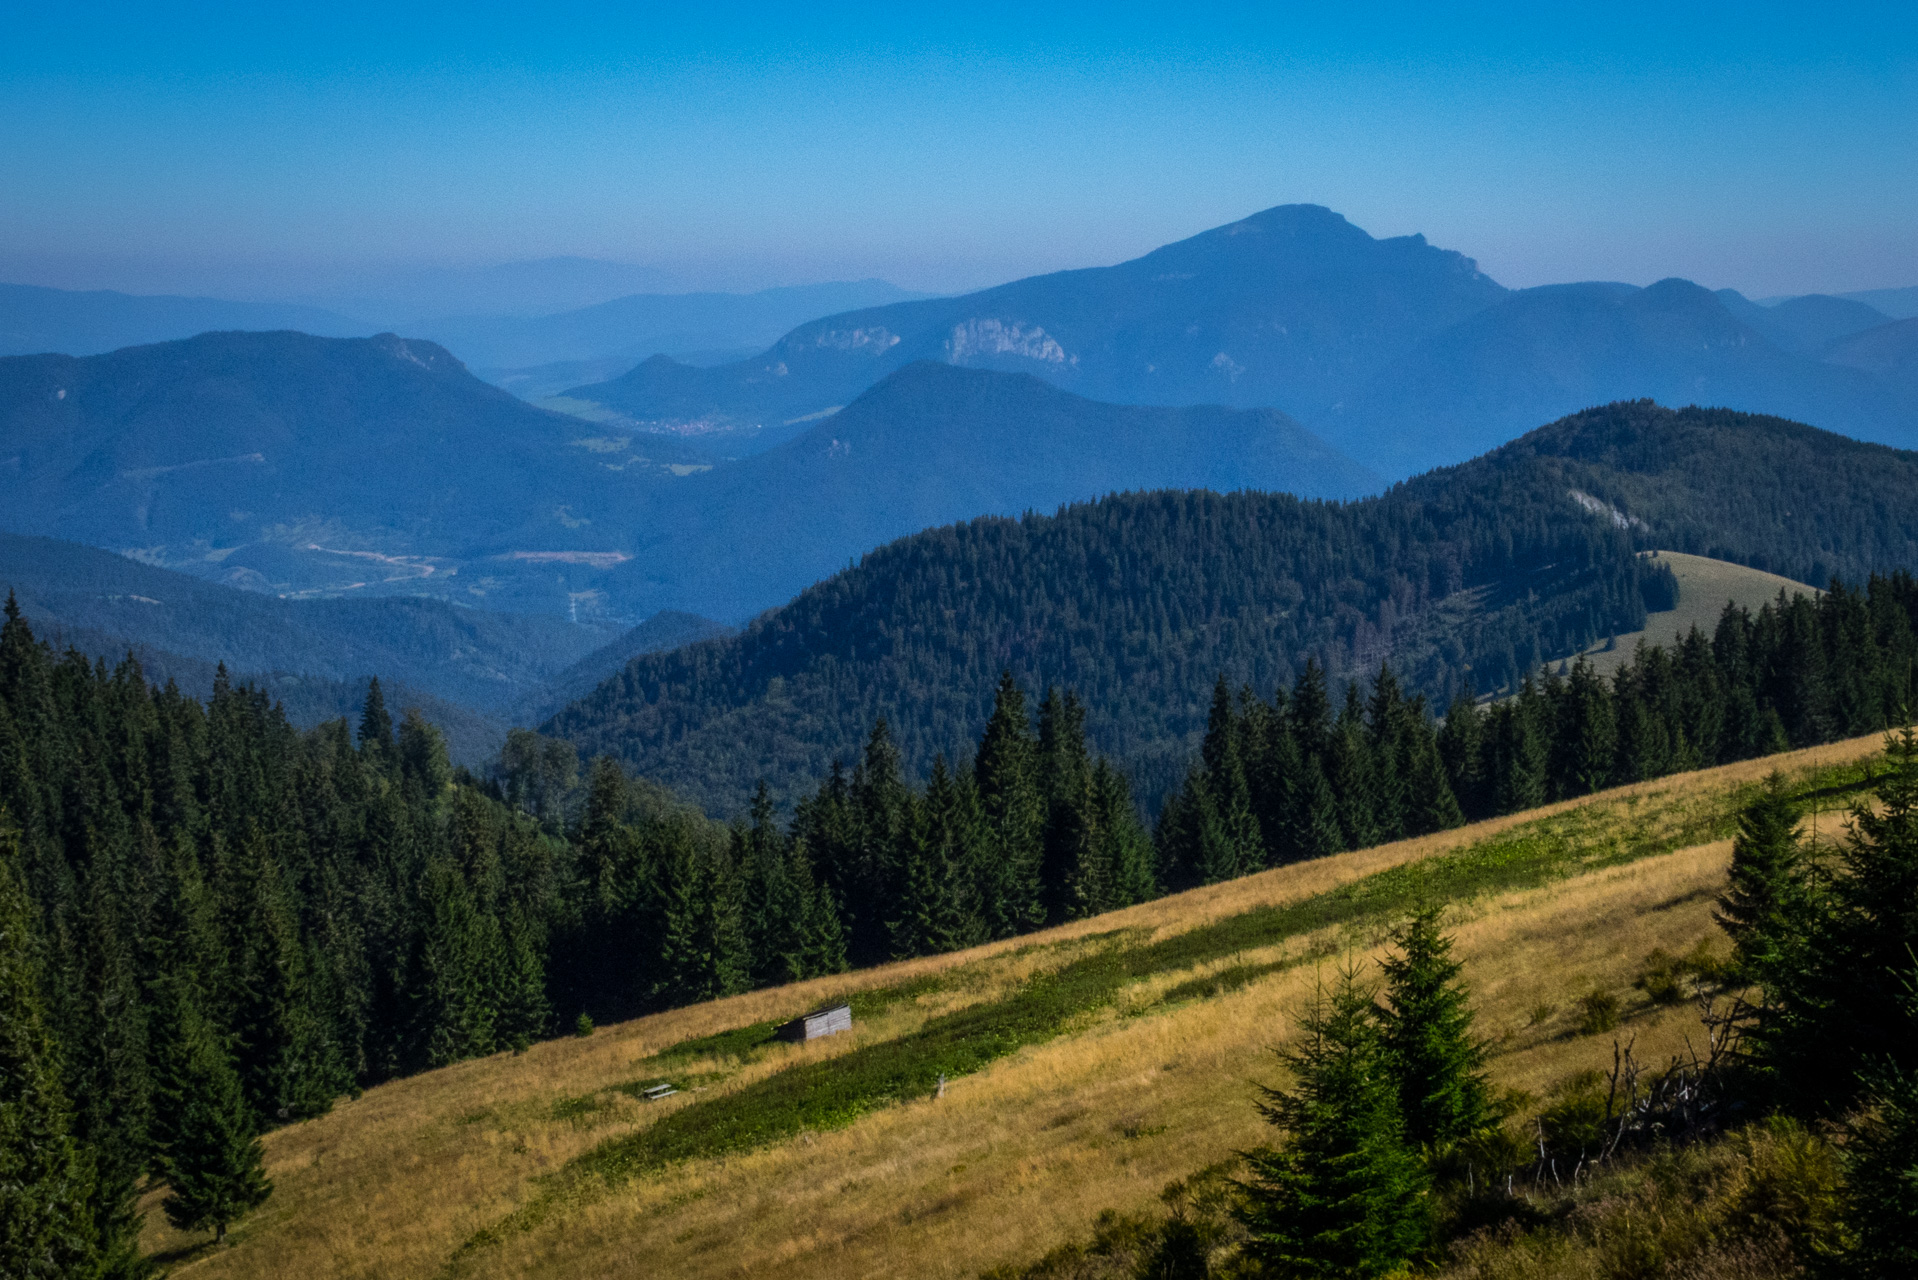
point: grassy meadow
(1084, 1068)
(1705, 586)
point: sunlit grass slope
(1085, 1067)
(1705, 587)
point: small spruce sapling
(1343, 1196)
(1763, 902)
(1426, 1024)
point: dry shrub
(1761, 1204)
(1597, 1012)
(1669, 979)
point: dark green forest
(1473, 574)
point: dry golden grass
(1705, 586)
(1009, 1163)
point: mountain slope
(667, 629)
(293, 463)
(35, 320)
(1285, 308)
(1899, 304)
(1807, 324)
(1889, 352)
(1544, 351)
(1140, 600)
(932, 444)
(1022, 1153)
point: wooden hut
(829, 1021)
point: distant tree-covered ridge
(1476, 573)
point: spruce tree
(1881, 1175)
(215, 1168)
(1319, 833)
(934, 904)
(421, 752)
(1353, 774)
(1586, 735)
(47, 1186)
(1012, 810)
(1435, 1060)
(1763, 905)
(1391, 723)
(1461, 746)
(1837, 1003)
(703, 953)
(1126, 852)
(1430, 804)
(1343, 1195)
(823, 938)
(1065, 780)
(1276, 786)
(883, 805)
(1235, 846)
(376, 724)
(458, 954)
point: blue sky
(246, 149)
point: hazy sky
(236, 149)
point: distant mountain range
(1541, 353)
(1475, 572)
(507, 349)
(1287, 308)
(301, 465)
(1290, 351)
(1398, 353)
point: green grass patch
(1220, 983)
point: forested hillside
(221, 907)
(1473, 574)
